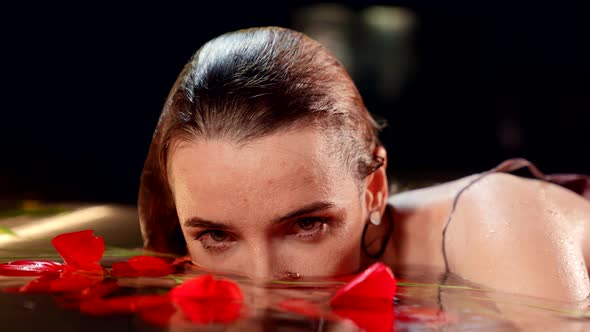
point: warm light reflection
(50, 226)
(388, 18)
(388, 31)
(332, 25)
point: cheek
(327, 259)
(237, 260)
(337, 254)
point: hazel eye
(218, 236)
(309, 228)
(215, 240)
(307, 224)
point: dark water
(424, 300)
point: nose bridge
(260, 260)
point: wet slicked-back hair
(245, 85)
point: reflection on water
(421, 304)
(423, 301)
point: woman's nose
(259, 264)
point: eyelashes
(307, 229)
(214, 240)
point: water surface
(425, 301)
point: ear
(376, 187)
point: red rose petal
(142, 266)
(100, 290)
(122, 304)
(65, 282)
(123, 269)
(373, 288)
(25, 268)
(207, 288)
(80, 250)
(75, 281)
(207, 300)
(228, 290)
(200, 287)
(159, 315)
(40, 285)
(369, 320)
(141, 263)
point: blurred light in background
(51, 226)
(375, 44)
(332, 25)
(118, 224)
(387, 50)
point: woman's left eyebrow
(198, 222)
(306, 209)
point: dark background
(83, 86)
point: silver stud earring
(375, 218)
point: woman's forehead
(294, 165)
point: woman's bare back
(510, 233)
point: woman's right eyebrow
(307, 209)
(198, 222)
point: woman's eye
(309, 229)
(214, 240)
(307, 225)
(218, 236)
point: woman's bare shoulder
(490, 188)
(436, 193)
(512, 192)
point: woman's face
(280, 204)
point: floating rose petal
(142, 266)
(373, 288)
(26, 268)
(80, 250)
(207, 300)
(206, 287)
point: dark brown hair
(244, 85)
